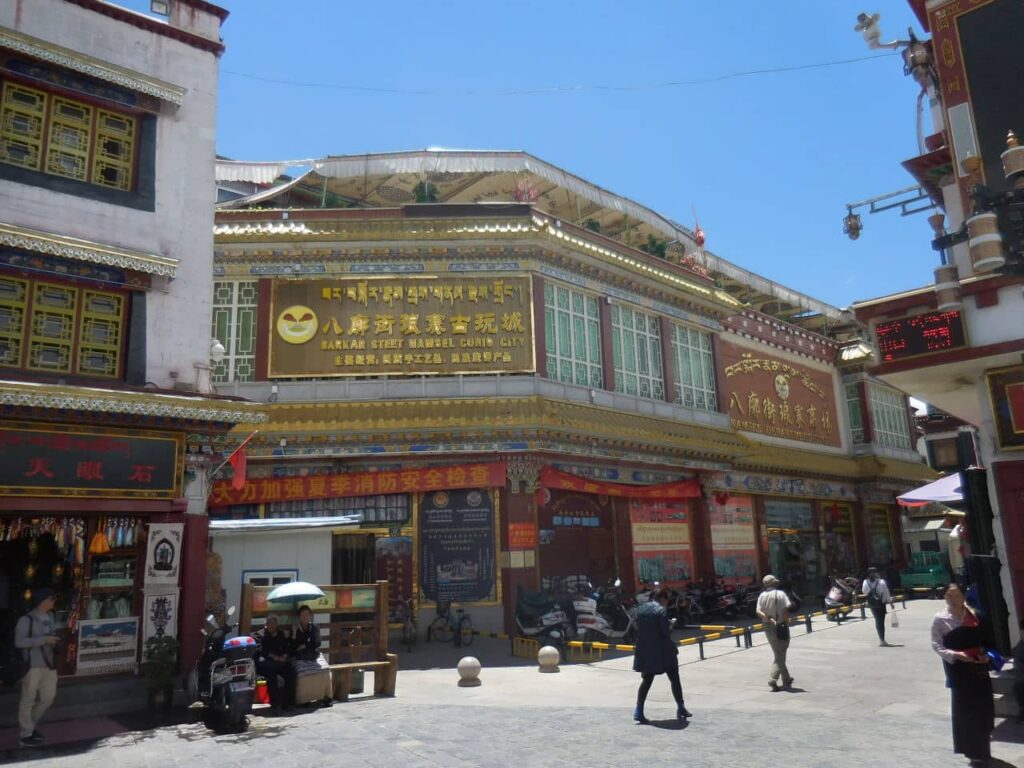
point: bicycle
(408, 625)
(452, 627)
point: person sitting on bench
(306, 643)
(273, 664)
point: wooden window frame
(78, 317)
(96, 109)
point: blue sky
(768, 161)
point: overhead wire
(579, 88)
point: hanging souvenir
(130, 535)
(111, 542)
(99, 545)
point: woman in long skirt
(656, 654)
(958, 639)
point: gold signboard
(772, 397)
(401, 325)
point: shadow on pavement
(1009, 731)
(793, 689)
(674, 724)
(995, 762)
(131, 729)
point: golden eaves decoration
(86, 250)
(529, 415)
(87, 65)
(20, 394)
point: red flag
(237, 462)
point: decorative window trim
(87, 65)
(84, 250)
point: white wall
(308, 552)
(179, 311)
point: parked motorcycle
(840, 595)
(539, 616)
(603, 616)
(224, 678)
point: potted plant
(161, 666)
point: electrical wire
(557, 88)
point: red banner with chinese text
(555, 478)
(264, 490)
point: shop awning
(945, 490)
(282, 524)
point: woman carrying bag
(959, 639)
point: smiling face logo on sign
(297, 324)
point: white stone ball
(548, 658)
(469, 671)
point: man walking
(773, 608)
(877, 593)
(34, 634)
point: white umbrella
(295, 592)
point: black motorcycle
(224, 678)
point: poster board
(734, 539)
(661, 541)
(107, 645)
(458, 546)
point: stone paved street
(855, 704)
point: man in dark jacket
(656, 654)
(273, 664)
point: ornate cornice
(297, 246)
(142, 404)
(87, 65)
(84, 250)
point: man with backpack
(34, 635)
(877, 593)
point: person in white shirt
(773, 607)
(34, 635)
(876, 591)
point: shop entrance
(794, 547)
(577, 542)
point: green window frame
(572, 336)
(234, 325)
(694, 363)
(853, 409)
(889, 417)
(636, 353)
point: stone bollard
(469, 672)
(548, 658)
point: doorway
(353, 558)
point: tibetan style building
(510, 377)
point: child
(1018, 674)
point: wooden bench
(385, 676)
(358, 642)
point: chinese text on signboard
(36, 462)
(410, 325)
(773, 397)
